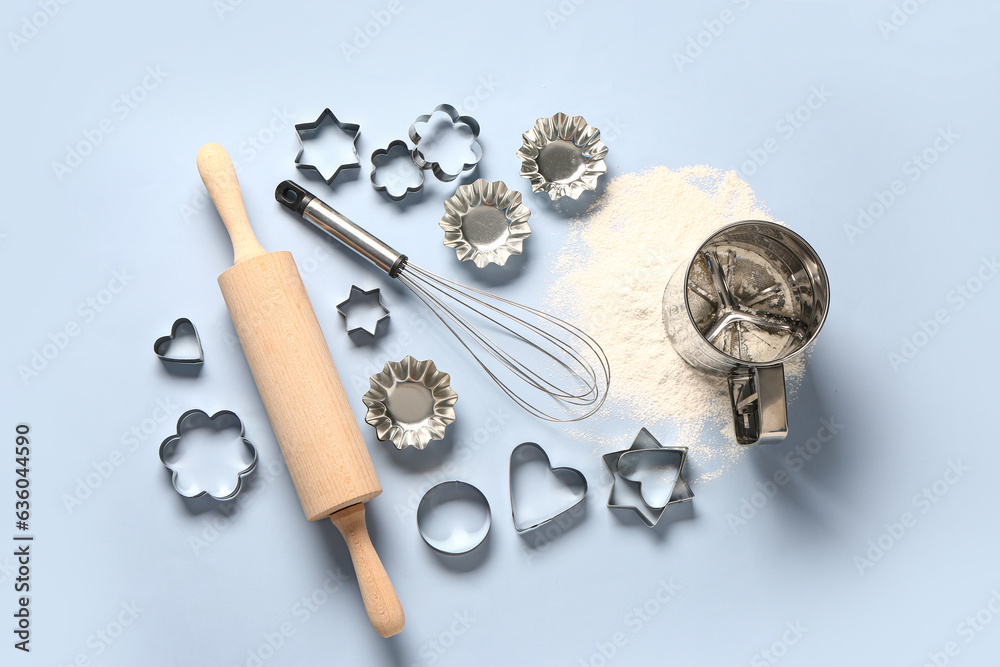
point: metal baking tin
(529, 453)
(396, 189)
(627, 494)
(462, 539)
(485, 222)
(424, 403)
(421, 160)
(562, 156)
(356, 296)
(305, 131)
(179, 478)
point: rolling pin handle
(381, 602)
(219, 175)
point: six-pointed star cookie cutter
(306, 131)
(356, 297)
(647, 454)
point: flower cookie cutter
(199, 467)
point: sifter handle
(217, 171)
(297, 199)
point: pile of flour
(610, 277)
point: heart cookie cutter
(181, 328)
(572, 485)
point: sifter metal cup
(753, 296)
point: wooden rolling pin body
(302, 393)
(298, 382)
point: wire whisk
(549, 367)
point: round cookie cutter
(562, 156)
(454, 517)
(410, 403)
(485, 222)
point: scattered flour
(611, 274)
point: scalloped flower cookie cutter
(220, 473)
(388, 178)
(420, 152)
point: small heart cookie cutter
(162, 345)
(528, 453)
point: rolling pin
(302, 393)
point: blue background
(135, 204)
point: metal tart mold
(562, 156)
(485, 223)
(410, 403)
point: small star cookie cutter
(306, 131)
(649, 463)
(359, 297)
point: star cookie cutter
(359, 297)
(306, 131)
(659, 468)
